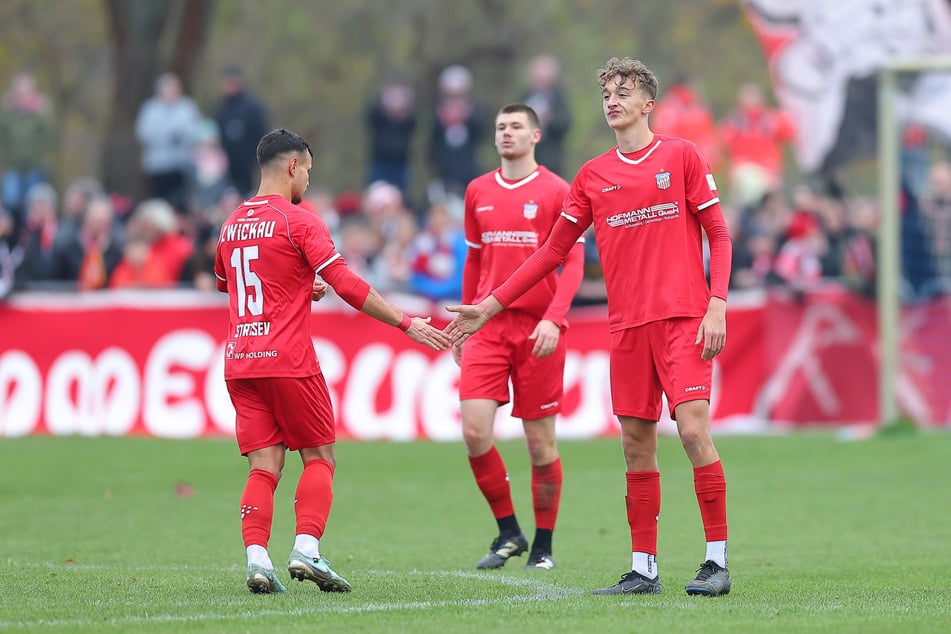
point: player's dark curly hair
(278, 143)
(632, 69)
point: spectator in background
(210, 174)
(391, 121)
(76, 199)
(547, 98)
(37, 236)
(167, 127)
(754, 137)
(242, 121)
(8, 260)
(155, 252)
(456, 132)
(88, 256)
(681, 112)
(935, 203)
(438, 256)
(27, 138)
(859, 267)
(799, 261)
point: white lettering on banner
(823, 325)
(107, 392)
(592, 373)
(439, 401)
(370, 367)
(172, 408)
(333, 365)
(218, 401)
(21, 388)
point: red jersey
(506, 222)
(647, 209)
(643, 206)
(268, 252)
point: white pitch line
(541, 591)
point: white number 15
(241, 259)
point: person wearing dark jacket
(242, 121)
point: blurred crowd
(200, 166)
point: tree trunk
(136, 28)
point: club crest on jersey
(663, 180)
(530, 210)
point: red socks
(643, 508)
(314, 497)
(546, 493)
(257, 507)
(493, 481)
(710, 485)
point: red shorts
(295, 412)
(502, 350)
(658, 357)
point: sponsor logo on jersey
(712, 184)
(636, 217)
(663, 180)
(250, 212)
(530, 210)
(510, 238)
(612, 188)
(695, 388)
(484, 208)
(229, 352)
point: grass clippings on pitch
(142, 535)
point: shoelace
(707, 570)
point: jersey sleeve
(472, 269)
(700, 188)
(314, 241)
(577, 207)
(563, 237)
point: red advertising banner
(151, 363)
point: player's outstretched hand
(421, 332)
(320, 289)
(469, 320)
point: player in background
(269, 253)
(509, 213)
(648, 199)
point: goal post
(889, 285)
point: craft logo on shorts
(229, 353)
(530, 210)
(663, 180)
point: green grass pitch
(142, 535)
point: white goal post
(889, 234)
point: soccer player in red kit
(269, 253)
(648, 199)
(508, 214)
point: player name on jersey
(253, 329)
(248, 230)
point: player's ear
(648, 107)
(292, 166)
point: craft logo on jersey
(530, 210)
(663, 180)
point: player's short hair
(632, 69)
(523, 108)
(277, 143)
